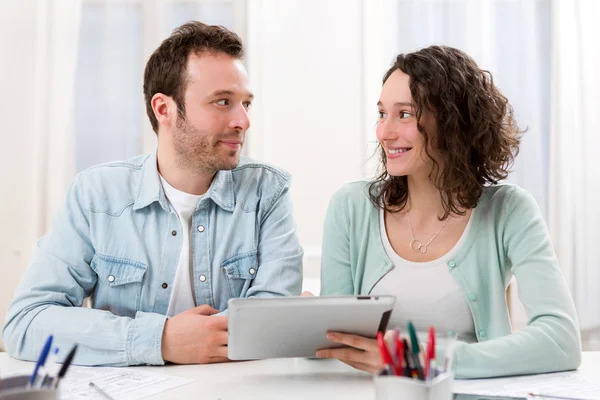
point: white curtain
(574, 192)
(56, 38)
(38, 42)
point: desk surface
(292, 378)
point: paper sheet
(119, 383)
(568, 384)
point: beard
(201, 151)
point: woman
(437, 230)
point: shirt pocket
(119, 285)
(239, 271)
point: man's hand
(194, 337)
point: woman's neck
(424, 199)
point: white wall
(306, 69)
(17, 49)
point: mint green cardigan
(508, 237)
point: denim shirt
(117, 240)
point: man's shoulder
(111, 186)
(258, 185)
(114, 169)
(248, 165)
(260, 173)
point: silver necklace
(417, 245)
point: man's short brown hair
(166, 69)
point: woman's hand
(360, 352)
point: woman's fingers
(356, 341)
(352, 355)
(363, 367)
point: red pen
(394, 345)
(430, 358)
(386, 357)
(399, 355)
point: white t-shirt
(426, 293)
(182, 293)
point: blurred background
(71, 96)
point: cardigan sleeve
(336, 273)
(551, 340)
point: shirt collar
(221, 188)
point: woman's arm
(551, 340)
(336, 274)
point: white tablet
(297, 326)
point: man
(162, 241)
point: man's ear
(164, 109)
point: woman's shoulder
(352, 194)
(356, 192)
(508, 200)
(501, 192)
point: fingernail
(320, 354)
(331, 336)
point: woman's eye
(404, 115)
(381, 115)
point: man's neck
(181, 178)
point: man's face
(217, 99)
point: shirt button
(111, 278)
(452, 264)
(200, 228)
(202, 278)
(473, 297)
(174, 233)
(252, 271)
(164, 285)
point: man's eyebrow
(225, 92)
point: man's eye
(223, 102)
(248, 104)
(381, 115)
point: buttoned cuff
(144, 339)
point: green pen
(414, 342)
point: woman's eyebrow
(398, 103)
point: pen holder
(391, 387)
(15, 388)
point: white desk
(292, 378)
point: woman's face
(397, 129)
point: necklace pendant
(418, 246)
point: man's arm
(279, 252)
(49, 298)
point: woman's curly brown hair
(477, 137)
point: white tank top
(426, 293)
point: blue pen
(49, 369)
(41, 360)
